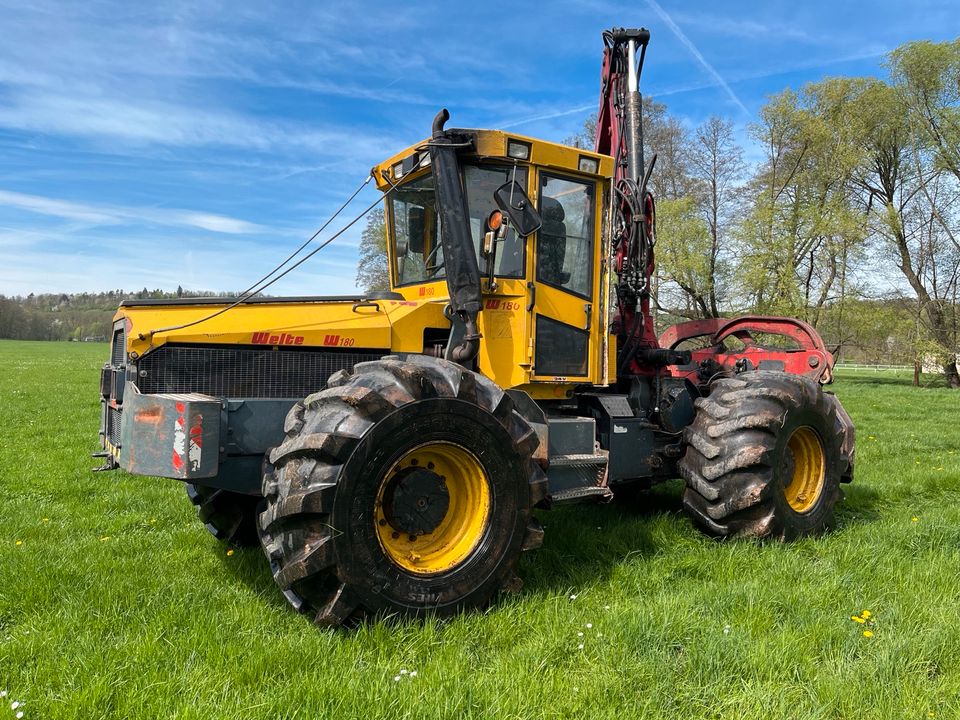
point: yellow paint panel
(390, 325)
(408, 321)
(504, 329)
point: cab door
(563, 313)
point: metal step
(577, 477)
(600, 494)
(578, 460)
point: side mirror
(415, 227)
(512, 200)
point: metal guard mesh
(243, 372)
(118, 351)
(113, 426)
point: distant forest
(78, 316)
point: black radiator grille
(113, 426)
(243, 372)
(118, 351)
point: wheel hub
(432, 508)
(415, 500)
(803, 469)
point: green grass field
(116, 603)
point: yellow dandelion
(868, 633)
(19, 542)
(871, 437)
(104, 538)
(858, 619)
(229, 553)
(915, 519)
(153, 521)
(866, 614)
(46, 519)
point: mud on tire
(323, 489)
(752, 465)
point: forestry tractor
(387, 449)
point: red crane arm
(619, 133)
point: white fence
(875, 368)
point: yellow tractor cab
(543, 292)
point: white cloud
(182, 261)
(113, 215)
(751, 28)
(146, 122)
(56, 208)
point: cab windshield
(415, 238)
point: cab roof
(493, 144)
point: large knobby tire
(765, 457)
(406, 486)
(228, 516)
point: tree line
(849, 217)
(77, 316)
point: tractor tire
(406, 486)
(230, 517)
(765, 457)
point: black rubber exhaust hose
(459, 256)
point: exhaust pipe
(463, 273)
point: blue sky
(165, 143)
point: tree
(372, 271)
(926, 76)
(910, 195)
(662, 134)
(804, 230)
(715, 163)
(671, 182)
(768, 265)
(683, 256)
(585, 137)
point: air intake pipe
(459, 256)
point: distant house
(94, 338)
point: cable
(258, 287)
(311, 238)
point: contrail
(655, 6)
(548, 116)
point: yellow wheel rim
(806, 469)
(449, 482)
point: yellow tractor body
(387, 449)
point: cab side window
(417, 251)
(565, 241)
(480, 183)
